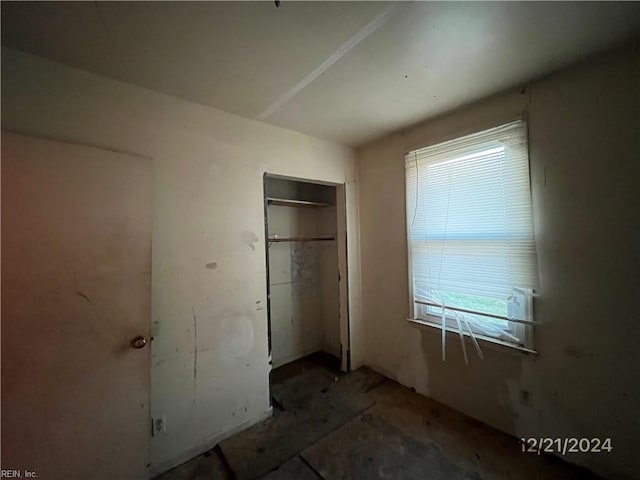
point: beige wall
(585, 154)
(208, 233)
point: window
(472, 256)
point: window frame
(523, 331)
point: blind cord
(415, 206)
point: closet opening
(306, 255)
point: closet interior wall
(303, 269)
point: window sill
(483, 340)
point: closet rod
(301, 239)
(284, 202)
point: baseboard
(384, 372)
(206, 445)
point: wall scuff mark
(250, 238)
(195, 353)
(80, 294)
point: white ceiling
(344, 71)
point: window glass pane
(477, 304)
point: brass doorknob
(139, 342)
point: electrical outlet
(159, 425)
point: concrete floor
(327, 425)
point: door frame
(343, 268)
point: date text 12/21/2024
(565, 445)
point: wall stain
(305, 270)
(572, 351)
(195, 353)
(250, 238)
(80, 294)
(211, 266)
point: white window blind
(470, 232)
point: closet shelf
(296, 203)
(300, 239)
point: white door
(76, 279)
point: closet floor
(328, 425)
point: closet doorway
(306, 245)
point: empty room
(290, 240)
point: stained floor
(327, 425)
